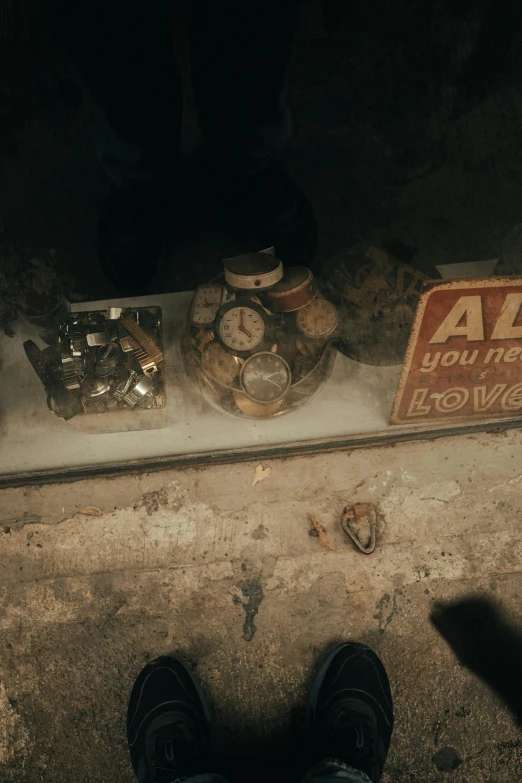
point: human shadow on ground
(486, 643)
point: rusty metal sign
(464, 357)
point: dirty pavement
(99, 576)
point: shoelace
(355, 737)
(167, 760)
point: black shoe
(351, 709)
(131, 230)
(168, 723)
(269, 209)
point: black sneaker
(351, 709)
(130, 235)
(168, 723)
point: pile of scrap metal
(102, 361)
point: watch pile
(260, 342)
(103, 361)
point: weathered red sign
(464, 356)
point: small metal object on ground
(361, 515)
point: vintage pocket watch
(222, 366)
(318, 319)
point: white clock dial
(242, 328)
(206, 304)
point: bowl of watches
(103, 361)
(260, 341)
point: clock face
(317, 319)
(219, 364)
(265, 377)
(242, 328)
(206, 304)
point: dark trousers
(125, 60)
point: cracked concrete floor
(201, 562)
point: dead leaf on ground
(261, 474)
(322, 535)
(91, 511)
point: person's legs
(351, 716)
(125, 64)
(168, 725)
(240, 55)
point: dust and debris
(426, 501)
(253, 592)
(178, 572)
(320, 532)
(91, 511)
(260, 474)
(171, 496)
(153, 501)
(447, 759)
(423, 572)
(14, 737)
(12, 524)
(386, 609)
